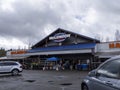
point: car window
(9, 63)
(110, 69)
(1, 64)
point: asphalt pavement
(43, 80)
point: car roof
(9, 61)
(115, 57)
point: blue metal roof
(61, 48)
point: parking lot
(43, 80)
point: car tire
(84, 87)
(15, 72)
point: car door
(108, 76)
(6, 67)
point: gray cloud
(31, 20)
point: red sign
(18, 52)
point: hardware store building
(68, 47)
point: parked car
(105, 77)
(12, 67)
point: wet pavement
(43, 80)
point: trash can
(84, 67)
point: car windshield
(110, 69)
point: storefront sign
(114, 45)
(18, 52)
(59, 37)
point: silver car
(105, 77)
(12, 67)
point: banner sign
(59, 37)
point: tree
(117, 35)
(107, 39)
(2, 52)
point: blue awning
(53, 59)
(61, 48)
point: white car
(12, 67)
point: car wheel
(15, 72)
(85, 87)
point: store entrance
(65, 62)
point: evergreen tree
(2, 52)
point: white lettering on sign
(59, 37)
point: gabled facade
(61, 37)
(64, 42)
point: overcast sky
(28, 21)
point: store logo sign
(59, 37)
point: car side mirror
(92, 73)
